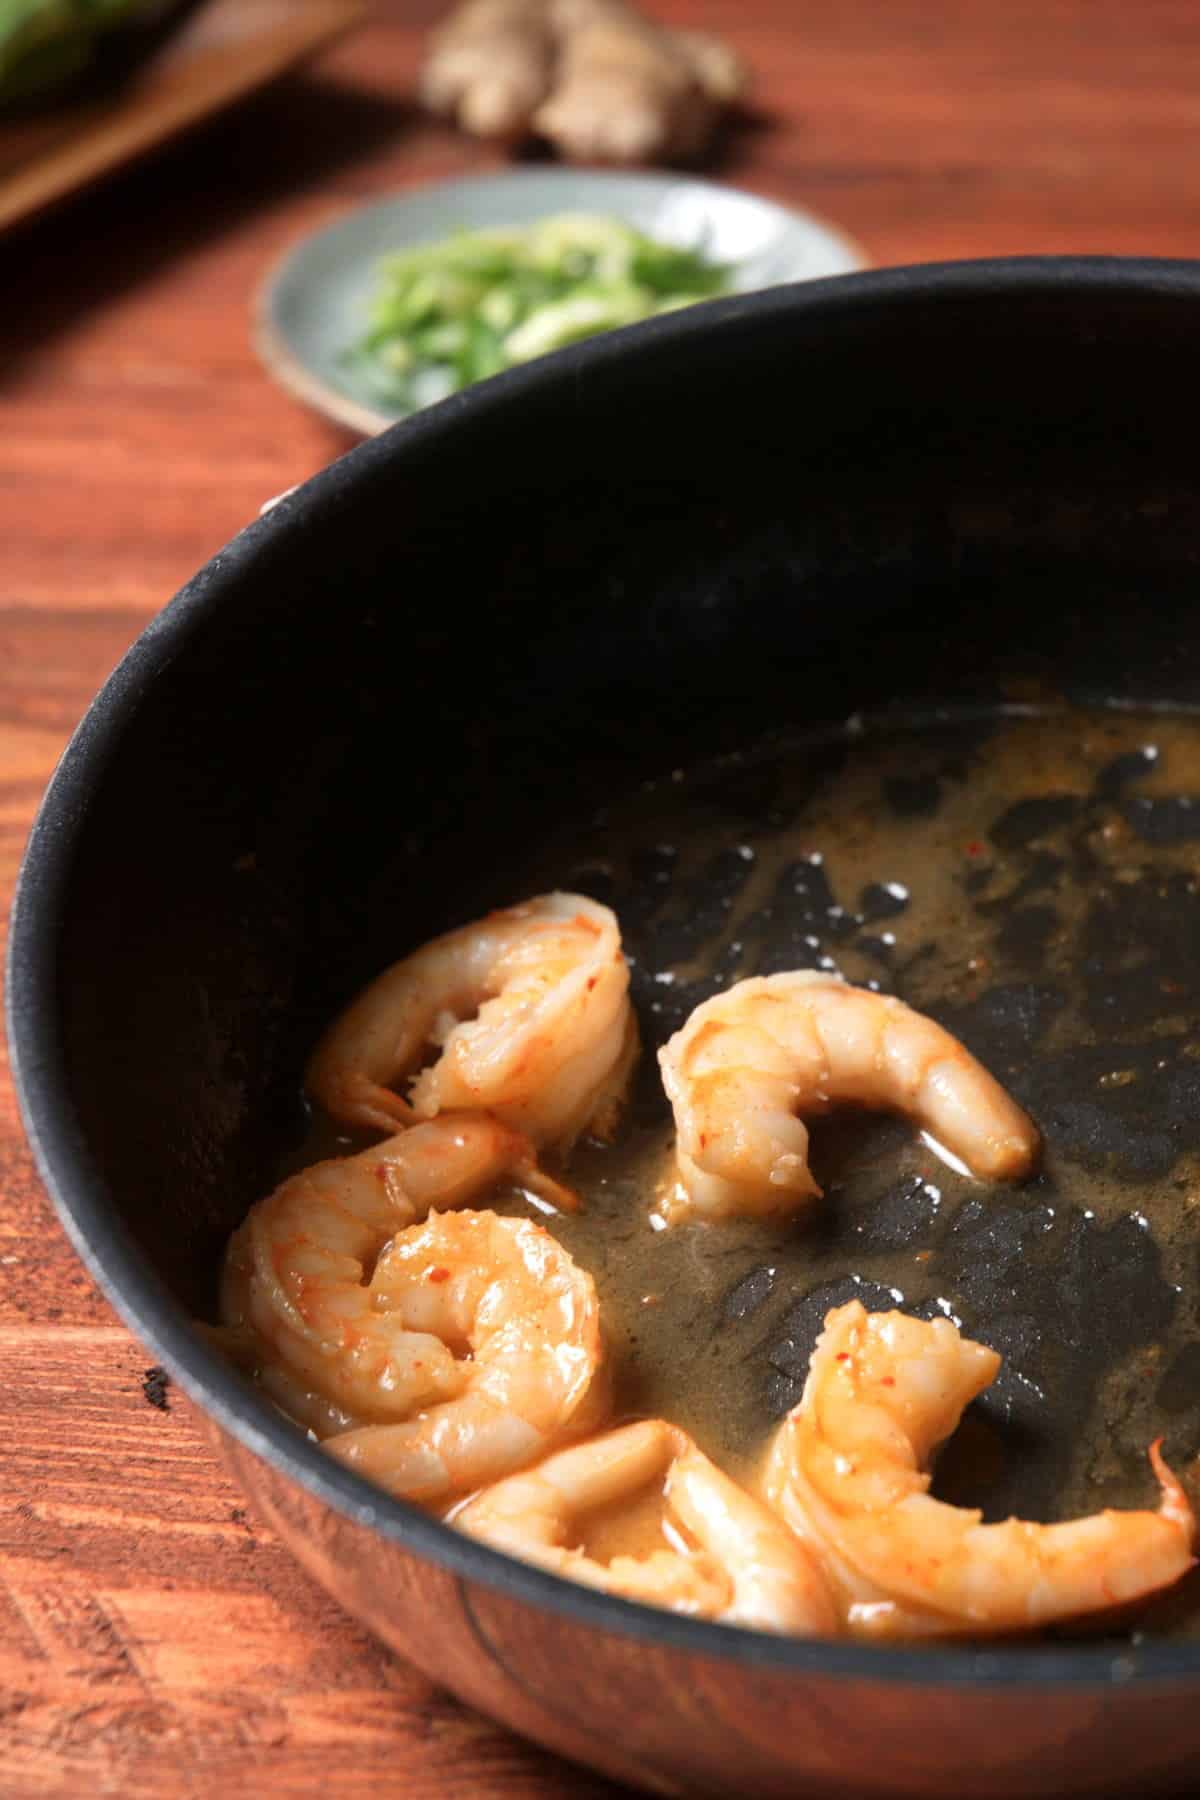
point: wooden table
(154, 1639)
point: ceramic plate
(313, 307)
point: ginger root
(598, 79)
(489, 66)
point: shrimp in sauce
(751, 1063)
(730, 1559)
(846, 1471)
(514, 1327)
(529, 1009)
(309, 1282)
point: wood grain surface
(154, 1639)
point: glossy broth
(1030, 876)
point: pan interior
(1026, 873)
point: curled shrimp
(298, 1281)
(846, 1472)
(515, 1326)
(530, 1009)
(750, 1060)
(729, 1559)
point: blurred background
(925, 129)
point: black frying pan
(768, 514)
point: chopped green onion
(447, 314)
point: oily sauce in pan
(1030, 877)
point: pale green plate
(312, 308)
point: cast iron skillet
(776, 509)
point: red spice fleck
(438, 1274)
(703, 1140)
(592, 980)
(974, 848)
(843, 1356)
(887, 1381)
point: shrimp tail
(1174, 1505)
(529, 1174)
(369, 1103)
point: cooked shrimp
(846, 1473)
(514, 1328)
(748, 1061)
(530, 1009)
(745, 1568)
(298, 1274)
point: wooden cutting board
(222, 51)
